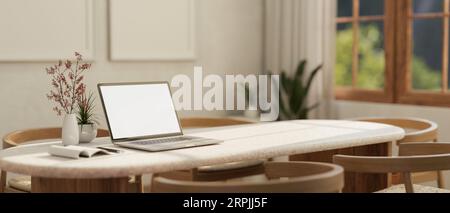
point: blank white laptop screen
(139, 110)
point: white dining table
(240, 143)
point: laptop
(142, 116)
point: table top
(244, 142)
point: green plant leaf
(294, 99)
(285, 83)
(86, 110)
(300, 70)
(303, 114)
(293, 92)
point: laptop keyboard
(162, 140)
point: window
(364, 47)
(393, 51)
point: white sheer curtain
(303, 29)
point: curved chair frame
(19, 137)
(418, 157)
(305, 177)
(427, 131)
(22, 136)
(200, 122)
(215, 172)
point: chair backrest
(424, 130)
(22, 136)
(211, 122)
(437, 159)
(283, 177)
(413, 149)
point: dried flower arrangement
(67, 84)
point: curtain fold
(303, 29)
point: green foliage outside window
(372, 62)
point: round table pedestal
(46, 185)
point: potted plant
(294, 92)
(87, 124)
(67, 88)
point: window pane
(371, 7)
(371, 56)
(344, 44)
(428, 6)
(427, 57)
(345, 8)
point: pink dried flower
(67, 84)
(68, 64)
(79, 56)
(54, 83)
(85, 66)
(80, 79)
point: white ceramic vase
(88, 132)
(70, 134)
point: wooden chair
(211, 122)
(23, 136)
(23, 183)
(415, 157)
(417, 130)
(282, 177)
(216, 172)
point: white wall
(229, 40)
(351, 109)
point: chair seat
(417, 189)
(230, 166)
(22, 183)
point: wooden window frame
(405, 93)
(398, 53)
(354, 93)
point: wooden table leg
(138, 184)
(354, 182)
(2, 181)
(48, 185)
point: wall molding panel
(136, 32)
(46, 30)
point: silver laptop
(142, 116)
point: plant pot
(88, 132)
(70, 134)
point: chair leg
(2, 181)
(441, 180)
(408, 183)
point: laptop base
(170, 146)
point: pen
(110, 149)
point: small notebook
(76, 151)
